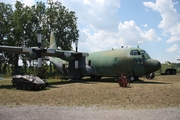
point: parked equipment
(168, 68)
(28, 82)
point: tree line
(19, 27)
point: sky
(153, 25)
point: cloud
(128, 34)
(97, 14)
(99, 40)
(170, 22)
(173, 48)
(133, 35)
(100, 27)
(145, 25)
(175, 33)
(28, 2)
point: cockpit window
(134, 52)
(143, 52)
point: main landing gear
(123, 81)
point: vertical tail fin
(53, 44)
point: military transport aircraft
(133, 62)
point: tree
(63, 23)
(18, 24)
(5, 23)
(5, 14)
(21, 26)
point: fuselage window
(131, 53)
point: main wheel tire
(93, 77)
(24, 87)
(173, 72)
(17, 86)
(168, 72)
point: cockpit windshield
(136, 52)
(143, 52)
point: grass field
(163, 91)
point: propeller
(76, 63)
(39, 50)
(78, 56)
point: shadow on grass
(103, 80)
(52, 84)
(149, 82)
(114, 80)
(6, 87)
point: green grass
(163, 91)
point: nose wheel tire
(133, 78)
(150, 76)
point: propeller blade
(76, 64)
(76, 45)
(39, 62)
(39, 37)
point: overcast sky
(154, 25)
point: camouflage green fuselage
(129, 61)
(110, 63)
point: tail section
(53, 44)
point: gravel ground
(85, 113)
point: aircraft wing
(11, 49)
(65, 55)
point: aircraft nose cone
(152, 65)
